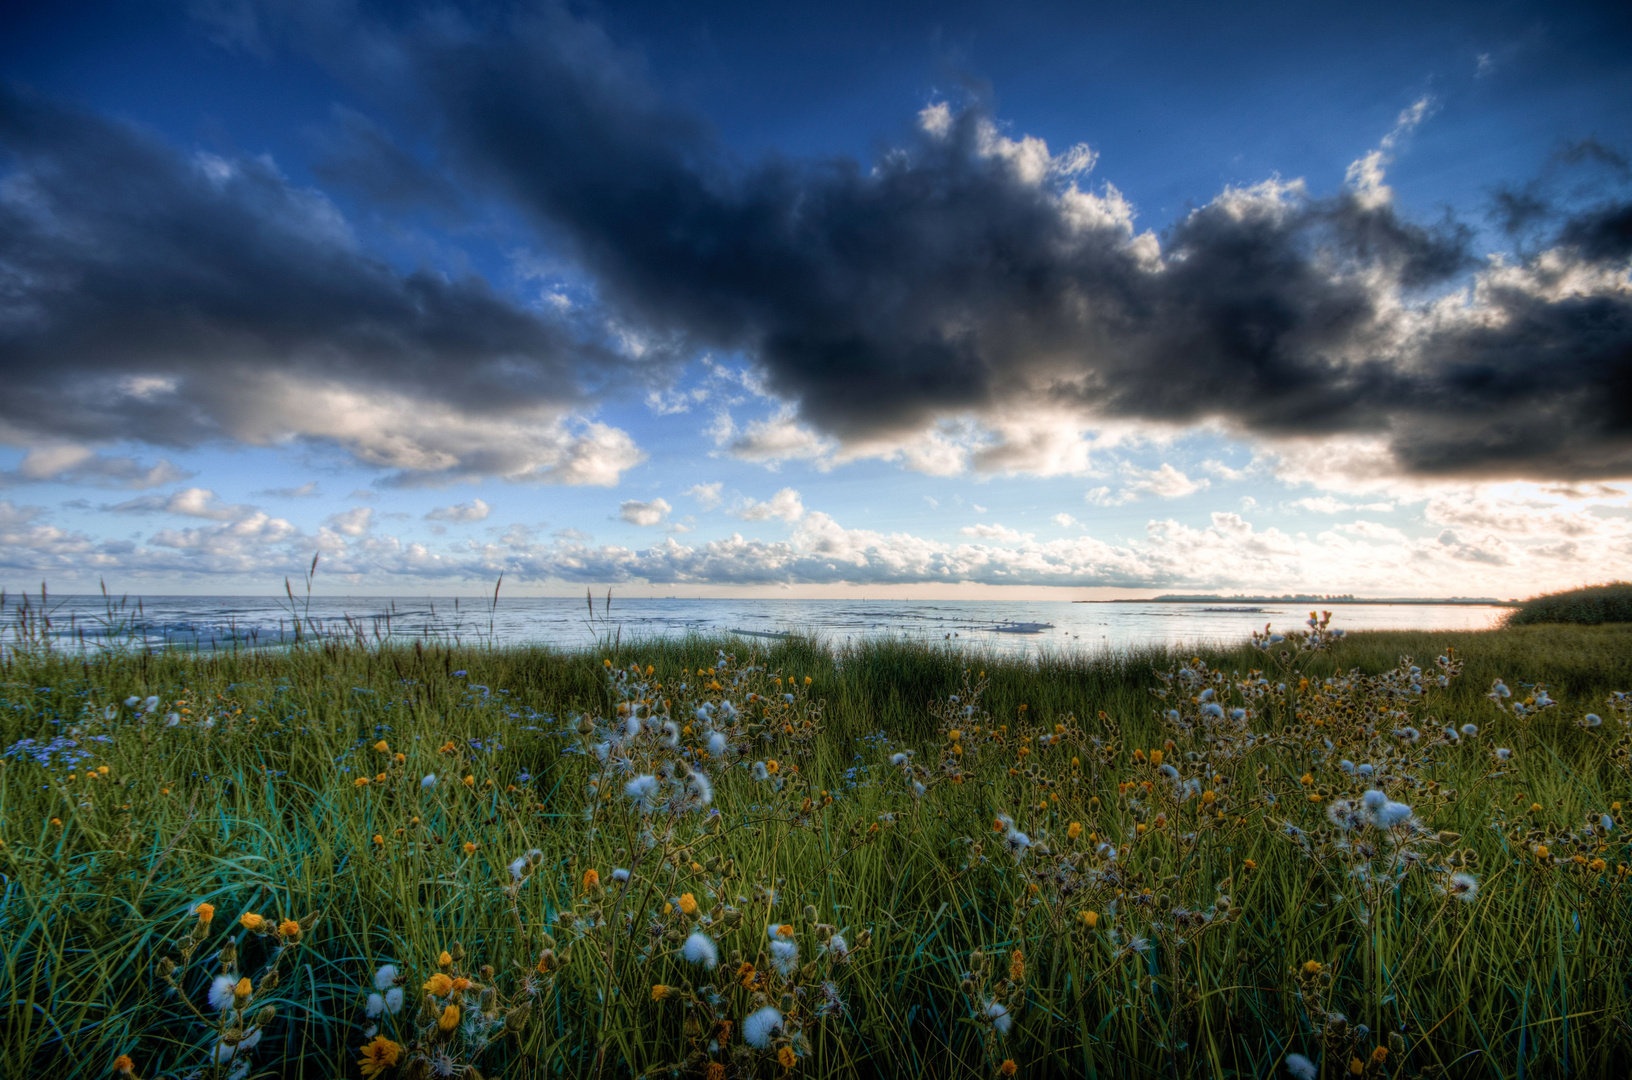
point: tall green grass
(260, 812)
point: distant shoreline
(1454, 601)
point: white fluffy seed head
(761, 1026)
(386, 977)
(700, 949)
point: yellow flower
(379, 1056)
(469, 848)
(1155, 757)
(1249, 864)
(444, 960)
(470, 781)
(1017, 966)
(251, 921)
(361, 781)
(1307, 779)
(771, 766)
(290, 929)
(123, 1065)
(785, 930)
(438, 985)
(1356, 1066)
(659, 992)
(1541, 851)
(1008, 1068)
(1090, 919)
(378, 839)
(688, 904)
(1597, 866)
(785, 1057)
(462, 984)
(382, 747)
(400, 758)
(1311, 967)
(449, 1019)
(592, 879)
(205, 912)
(1209, 797)
(1379, 1055)
(1074, 830)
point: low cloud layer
(1475, 544)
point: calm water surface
(221, 621)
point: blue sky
(915, 300)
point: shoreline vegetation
(1396, 854)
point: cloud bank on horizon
(968, 303)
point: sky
(821, 300)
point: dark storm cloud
(959, 273)
(950, 277)
(152, 295)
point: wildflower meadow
(1380, 855)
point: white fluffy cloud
(708, 496)
(74, 464)
(785, 504)
(644, 514)
(460, 513)
(188, 502)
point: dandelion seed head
(700, 949)
(1300, 1067)
(761, 1026)
(385, 977)
(998, 1013)
(220, 992)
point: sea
(1006, 627)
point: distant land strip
(1305, 598)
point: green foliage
(1203, 927)
(1590, 606)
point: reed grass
(1235, 926)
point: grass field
(661, 859)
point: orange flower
(592, 879)
(469, 848)
(1090, 919)
(449, 1019)
(290, 929)
(379, 1056)
(786, 1058)
(688, 904)
(438, 985)
(251, 921)
(1017, 966)
(1074, 830)
(461, 983)
(1008, 1068)
(382, 747)
(444, 959)
(123, 1065)
(205, 912)
(659, 992)
(716, 1071)
(241, 992)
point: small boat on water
(1022, 627)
